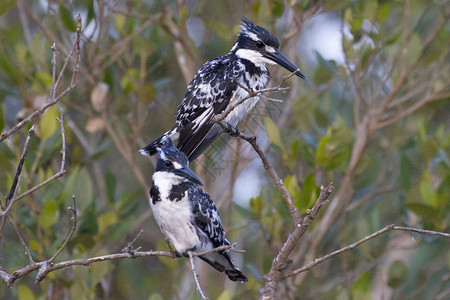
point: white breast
(257, 82)
(174, 217)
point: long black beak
(188, 174)
(280, 59)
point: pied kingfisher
(185, 212)
(218, 84)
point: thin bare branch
(129, 247)
(60, 173)
(17, 177)
(47, 266)
(22, 240)
(72, 230)
(251, 94)
(361, 241)
(199, 288)
(53, 99)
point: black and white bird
(185, 213)
(218, 84)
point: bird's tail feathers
(151, 148)
(233, 272)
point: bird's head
(259, 46)
(172, 160)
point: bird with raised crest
(222, 82)
(185, 213)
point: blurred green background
(372, 116)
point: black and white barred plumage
(218, 84)
(185, 213)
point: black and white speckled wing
(208, 95)
(206, 216)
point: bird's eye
(259, 44)
(168, 164)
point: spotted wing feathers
(208, 95)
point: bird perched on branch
(185, 212)
(220, 83)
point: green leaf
(119, 22)
(146, 93)
(225, 295)
(272, 132)
(83, 189)
(426, 212)
(24, 293)
(48, 123)
(397, 274)
(155, 296)
(6, 5)
(382, 13)
(277, 8)
(256, 205)
(426, 190)
(307, 155)
(45, 78)
(309, 192)
(105, 220)
(2, 119)
(326, 70)
(110, 182)
(370, 8)
(321, 157)
(49, 215)
(8, 66)
(414, 48)
(67, 18)
(99, 271)
(361, 287)
(35, 246)
(129, 81)
(291, 184)
(406, 169)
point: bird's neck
(164, 178)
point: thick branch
(293, 210)
(281, 261)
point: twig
(53, 99)
(378, 191)
(16, 181)
(199, 288)
(251, 94)
(60, 173)
(72, 230)
(361, 241)
(22, 240)
(129, 247)
(293, 210)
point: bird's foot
(231, 130)
(189, 250)
(172, 251)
